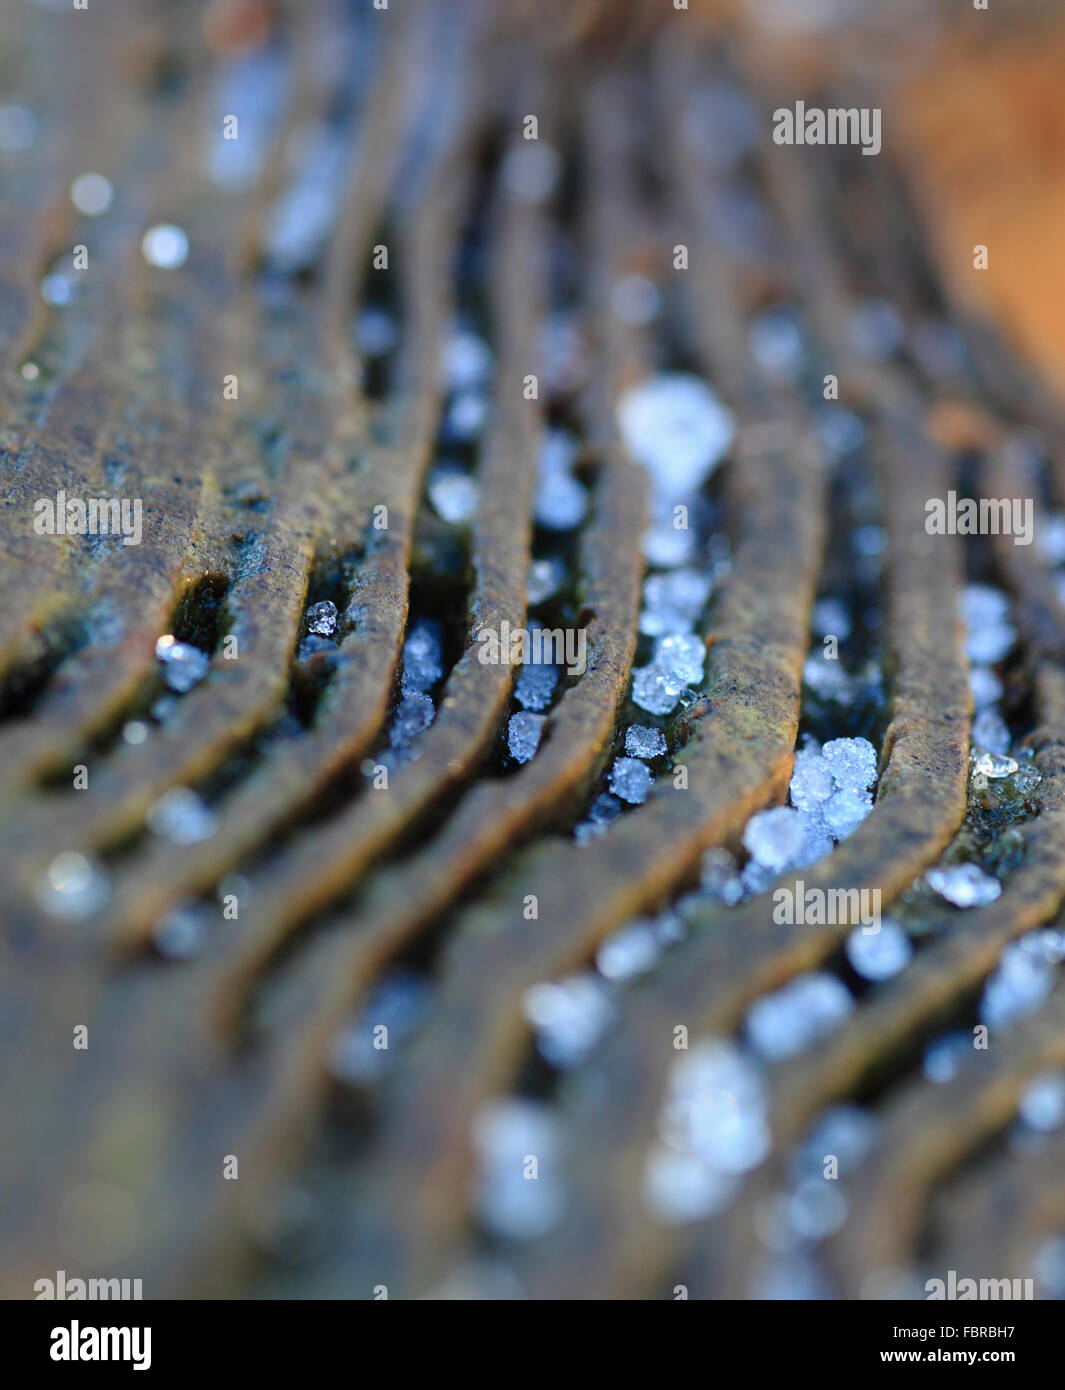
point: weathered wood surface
(112, 1156)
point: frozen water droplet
(181, 816)
(467, 361)
(846, 1131)
(73, 887)
(352, 1058)
(830, 615)
(876, 329)
(634, 299)
(985, 612)
(816, 1209)
(816, 840)
(798, 1015)
(980, 605)
(535, 686)
(985, 685)
(944, 1056)
(991, 732)
(672, 602)
(505, 1133)
(631, 780)
(183, 664)
(585, 831)
(322, 618)
(811, 779)
(454, 494)
(682, 654)
(870, 542)
(844, 811)
(680, 1187)
(964, 885)
(57, 290)
(939, 348)
(1021, 983)
(569, 1017)
(726, 1137)
(398, 1004)
(756, 878)
(183, 932)
(561, 501)
(792, 1278)
(675, 427)
(1042, 1104)
(91, 194)
(375, 333)
(530, 170)
(414, 713)
(994, 765)
(1026, 779)
(641, 741)
(773, 838)
(655, 690)
(313, 648)
(18, 129)
(669, 927)
(165, 246)
(827, 679)
(423, 658)
(1051, 944)
(852, 762)
(881, 954)
(629, 952)
(1049, 1266)
(604, 809)
(524, 731)
(1051, 537)
(776, 342)
(718, 877)
(546, 577)
(558, 453)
